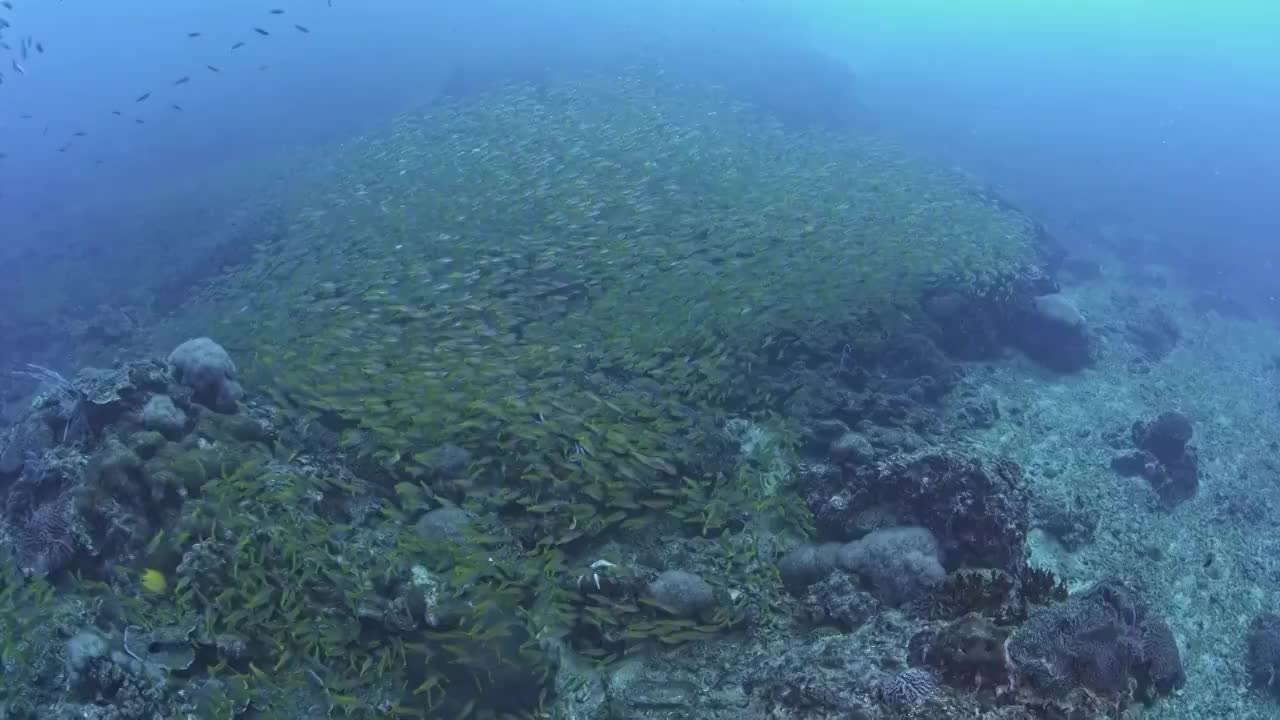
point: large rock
(682, 593)
(975, 507)
(1106, 639)
(1163, 457)
(204, 366)
(1052, 332)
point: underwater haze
(729, 359)
(1165, 106)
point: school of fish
(24, 47)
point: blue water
(1147, 113)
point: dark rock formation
(838, 601)
(1052, 332)
(977, 509)
(1106, 640)
(968, 653)
(1164, 457)
(1153, 333)
(1101, 649)
(1262, 658)
(969, 328)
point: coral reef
(967, 653)
(162, 416)
(1101, 648)
(976, 508)
(1106, 640)
(487, 450)
(899, 564)
(895, 564)
(204, 366)
(907, 690)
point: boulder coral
(204, 366)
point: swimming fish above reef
(260, 31)
(213, 68)
(153, 581)
(182, 80)
(238, 45)
(142, 97)
(302, 28)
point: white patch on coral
(762, 453)
(422, 576)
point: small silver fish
(17, 68)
